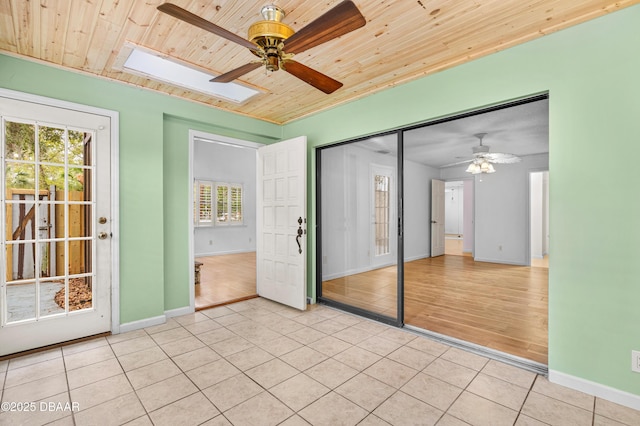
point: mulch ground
(79, 295)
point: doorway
(439, 293)
(249, 201)
(458, 217)
(58, 216)
(224, 219)
(539, 218)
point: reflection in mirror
(359, 224)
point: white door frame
(195, 135)
(115, 184)
(528, 213)
(431, 216)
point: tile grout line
(66, 378)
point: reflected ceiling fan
(483, 160)
(275, 43)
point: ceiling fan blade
(190, 18)
(236, 73)
(500, 158)
(340, 20)
(457, 163)
(312, 77)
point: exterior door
(383, 216)
(55, 246)
(281, 222)
(437, 217)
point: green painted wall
(153, 175)
(176, 193)
(591, 72)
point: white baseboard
(220, 253)
(143, 323)
(160, 319)
(353, 272)
(179, 311)
(504, 262)
(596, 389)
(370, 268)
(417, 257)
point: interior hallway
(258, 362)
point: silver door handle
(103, 235)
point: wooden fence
(79, 223)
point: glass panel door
(50, 289)
(359, 226)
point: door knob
(299, 236)
(103, 235)
(102, 220)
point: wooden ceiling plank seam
(109, 27)
(54, 30)
(137, 24)
(82, 22)
(8, 37)
(22, 24)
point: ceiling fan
(482, 159)
(275, 43)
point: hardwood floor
(225, 279)
(375, 291)
(503, 307)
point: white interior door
(55, 245)
(281, 222)
(437, 217)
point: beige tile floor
(259, 363)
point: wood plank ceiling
(402, 40)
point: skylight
(158, 68)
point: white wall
(347, 213)
(500, 202)
(501, 209)
(224, 163)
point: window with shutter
(203, 203)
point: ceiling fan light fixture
(480, 166)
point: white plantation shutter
(226, 201)
(222, 203)
(235, 196)
(203, 200)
